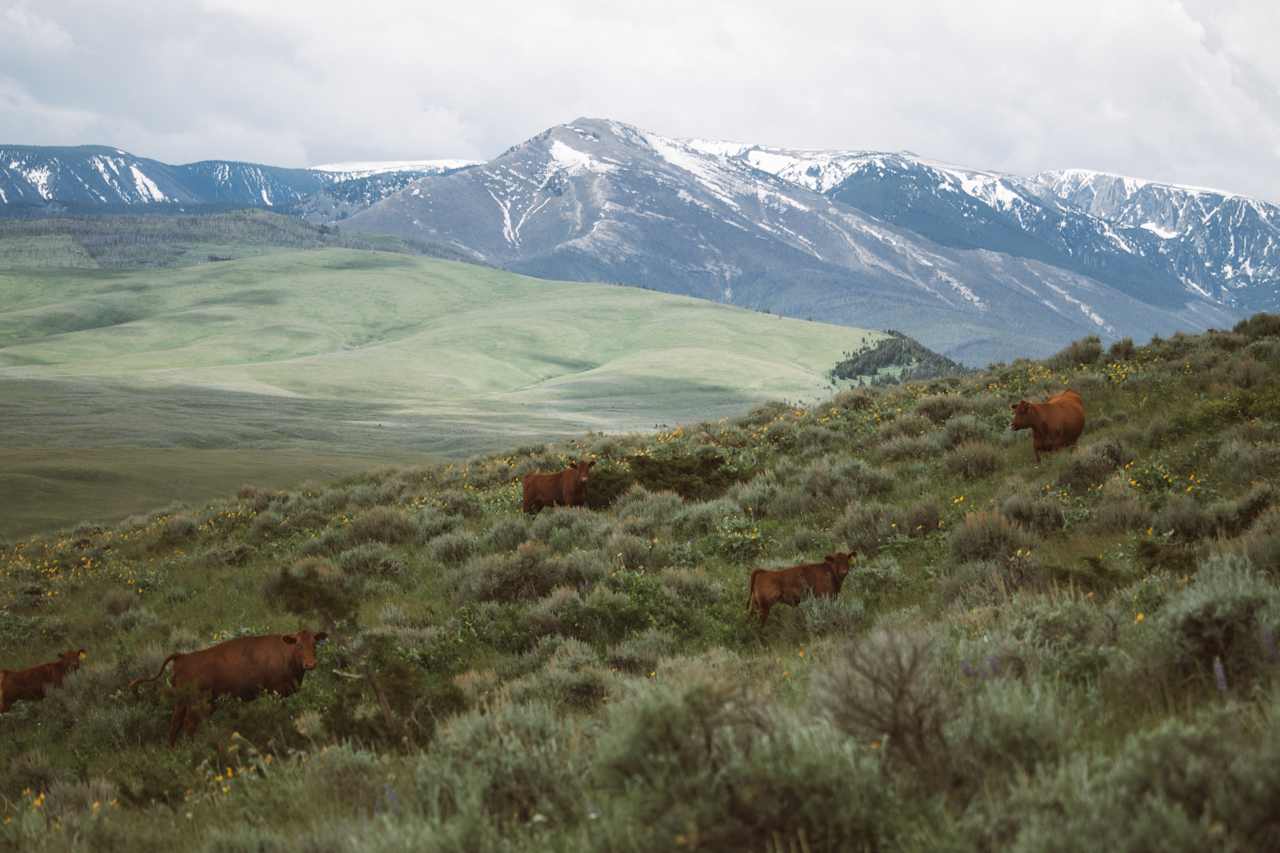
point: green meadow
(373, 355)
(1078, 655)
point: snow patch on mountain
(146, 187)
(366, 168)
(574, 160)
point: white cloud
(26, 30)
(1174, 91)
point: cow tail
(133, 684)
(751, 589)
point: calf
(31, 684)
(823, 580)
(563, 488)
(1056, 423)
(244, 668)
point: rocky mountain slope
(42, 180)
(978, 265)
(972, 265)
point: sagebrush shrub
(961, 430)
(700, 519)
(373, 559)
(432, 522)
(381, 524)
(531, 571)
(1043, 515)
(570, 528)
(639, 654)
(459, 502)
(883, 686)
(987, 536)
(680, 756)
(572, 678)
(1220, 615)
(939, 408)
(1007, 728)
(1120, 514)
(1185, 518)
(1087, 350)
(973, 460)
(1122, 350)
(865, 526)
(840, 616)
(312, 586)
(1091, 465)
(904, 426)
(453, 548)
(265, 525)
(643, 512)
(506, 533)
(503, 767)
(904, 447)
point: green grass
(1077, 655)
(174, 240)
(342, 351)
(47, 489)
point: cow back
(242, 667)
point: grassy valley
(378, 355)
(1078, 655)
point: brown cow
(789, 586)
(1056, 423)
(563, 488)
(244, 668)
(31, 684)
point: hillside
(1079, 655)
(141, 241)
(332, 350)
(978, 266)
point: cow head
(1023, 415)
(71, 660)
(580, 469)
(839, 564)
(304, 647)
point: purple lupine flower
(967, 669)
(1219, 674)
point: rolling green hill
(1076, 655)
(343, 351)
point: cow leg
(764, 613)
(196, 715)
(176, 722)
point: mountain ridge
(977, 264)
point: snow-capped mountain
(92, 177)
(977, 264)
(1218, 242)
(89, 178)
(972, 263)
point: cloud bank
(1186, 92)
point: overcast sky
(1187, 92)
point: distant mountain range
(41, 180)
(978, 265)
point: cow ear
(290, 638)
(321, 637)
(589, 464)
(830, 558)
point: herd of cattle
(248, 666)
